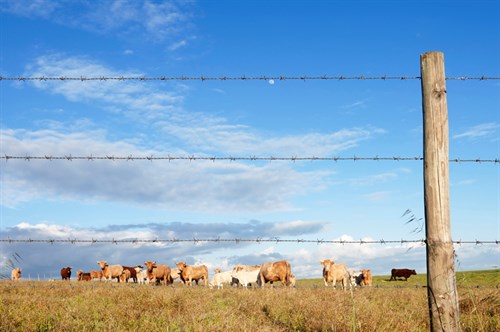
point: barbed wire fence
(170, 158)
(233, 158)
(237, 78)
(238, 240)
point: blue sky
(181, 199)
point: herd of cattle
(244, 275)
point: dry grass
(94, 306)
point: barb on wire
(233, 158)
(234, 78)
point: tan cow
(110, 272)
(158, 273)
(15, 274)
(190, 273)
(277, 271)
(367, 278)
(96, 275)
(333, 272)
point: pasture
(101, 306)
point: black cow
(402, 273)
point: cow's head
(181, 265)
(150, 266)
(413, 272)
(327, 263)
(217, 270)
(102, 264)
(366, 273)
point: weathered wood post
(441, 284)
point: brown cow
(277, 271)
(82, 276)
(110, 272)
(66, 273)
(157, 272)
(190, 273)
(15, 274)
(335, 272)
(402, 273)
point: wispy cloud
(29, 8)
(157, 21)
(160, 107)
(374, 179)
(485, 130)
(378, 196)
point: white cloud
(199, 186)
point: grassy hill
(482, 278)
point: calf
(82, 276)
(175, 274)
(15, 274)
(96, 275)
(125, 276)
(402, 273)
(220, 278)
(133, 271)
(66, 273)
(366, 277)
(142, 276)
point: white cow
(246, 277)
(142, 275)
(220, 278)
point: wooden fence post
(441, 284)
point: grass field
(100, 306)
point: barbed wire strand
(240, 240)
(235, 78)
(230, 158)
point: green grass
(483, 278)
